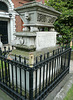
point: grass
(69, 94)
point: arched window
(3, 7)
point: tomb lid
(37, 14)
(36, 4)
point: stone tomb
(38, 31)
(37, 19)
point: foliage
(72, 47)
(64, 23)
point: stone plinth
(35, 41)
(25, 40)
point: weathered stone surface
(35, 41)
(37, 14)
(27, 34)
(36, 53)
(36, 18)
(62, 93)
(45, 39)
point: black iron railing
(24, 82)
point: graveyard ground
(69, 94)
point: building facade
(10, 21)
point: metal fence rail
(22, 82)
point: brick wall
(19, 24)
(18, 3)
(40, 1)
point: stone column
(34, 29)
(52, 30)
(11, 26)
(26, 29)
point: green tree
(64, 23)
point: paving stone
(62, 93)
(4, 96)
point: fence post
(31, 62)
(62, 59)
(0, 51)
(4, 51)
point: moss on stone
(24, 53)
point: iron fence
(23, 82)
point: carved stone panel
(41, 17)
(45, 18)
